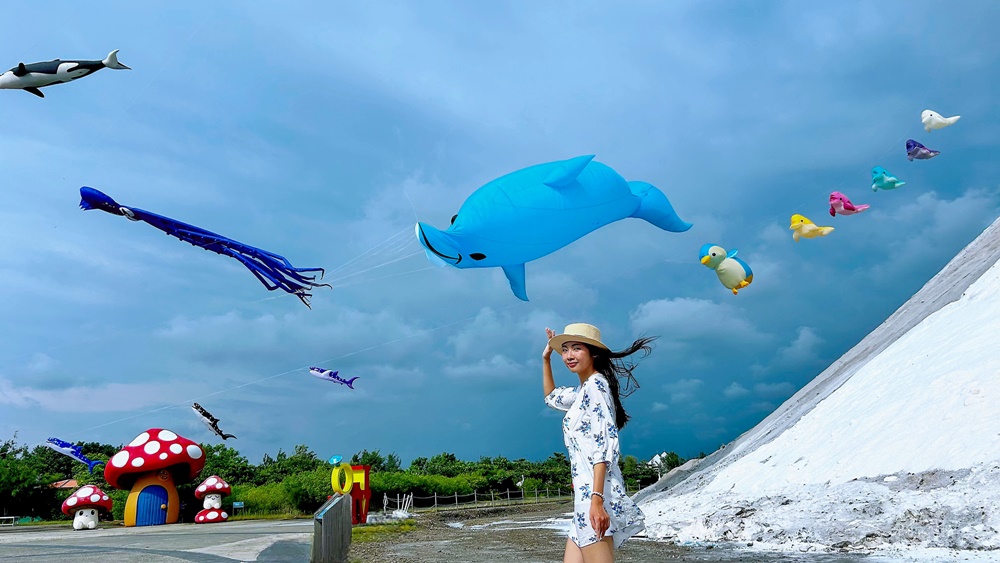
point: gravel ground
(512, 534)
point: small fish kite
(918, 151)
(210, 421)
(735, 274)
(934, 120)
(881, 179)
(804, 228)
(31, 77)
(840, 205)
(331, 376)
(273, 270)
(72, 451)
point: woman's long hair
(614, 368)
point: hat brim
(557, 341)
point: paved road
(250, 540)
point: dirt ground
(497, 535)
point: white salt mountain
(893, 448)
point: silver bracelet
(598, 494)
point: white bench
(8, 520)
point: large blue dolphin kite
(273, 270)
(31, 77)
(537, 210)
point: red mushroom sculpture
(151, 466)
(85, 506)
(212, 490)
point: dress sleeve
(562, 398)
(599, 434)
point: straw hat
(578, 332)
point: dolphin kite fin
(20, 70)
(34, 91)
(94, 464)
(655, 208)
(112, 61)
(515, 275)
(350, 382)
(566, 172)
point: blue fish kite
(537, 210)
(916, 150)
(274, 271)
(331, 376)
(31, 77)
(72, 451)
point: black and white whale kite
(210, 421)
(31, 77)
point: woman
(604, 516)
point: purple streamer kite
(274, 271)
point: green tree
(374, 459)
(445, 464)
(226, 462)
(418, 466)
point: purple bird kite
(918, 151)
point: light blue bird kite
(734, 273)
(537, 210)
(882, 180)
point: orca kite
(31, 77)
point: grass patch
(268, 516)
(377, 532)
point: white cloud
(734, 390)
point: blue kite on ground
(273, 270)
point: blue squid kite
(274, 271)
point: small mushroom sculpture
(85, 506)
(151, 466)
(212, 490)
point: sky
(323, 132)
(904, 453)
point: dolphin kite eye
(453, 217)
(477, 256)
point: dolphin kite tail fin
(112, 61)
(350, 382)
(515, 275)
(655, 208)
(228, 436)
(823, 231)
(94, 464)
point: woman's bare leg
(573, 553)
(600, 552)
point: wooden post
(456, 499)
(475, 498)
(491, 498)
(332, 531)
(435, 501)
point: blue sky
(321, 131)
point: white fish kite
(72, 451)
(331, 376)
(934, 120)
(210, 421)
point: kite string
(249, 383)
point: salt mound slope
(897, 444)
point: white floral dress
(591, 437)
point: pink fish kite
(840, 205)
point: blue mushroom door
(151, 508)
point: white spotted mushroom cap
(87, 496)
(213, 484)
(153, 450)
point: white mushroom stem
(85, 518)
(212, 500)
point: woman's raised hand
(549, 333)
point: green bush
(118, 500)
(402, 482)
(309, 490)
(269, 498)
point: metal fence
(476, 499)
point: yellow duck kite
(803, 227)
